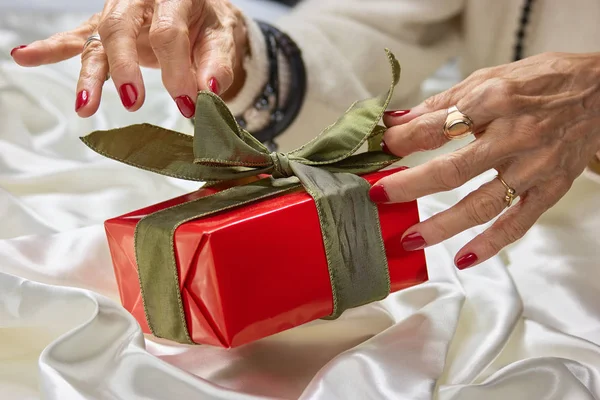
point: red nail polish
(378, 194)
(128, 95)
(82, 99)
(186, 106)
(384, 148)
(213, 84)
(413, 242)
(398, 113)
(466, 261)
(17, 48)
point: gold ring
(511, 194)
(457, 125)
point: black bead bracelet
(282, 115)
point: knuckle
(483, 208)
(93, 51)
(120, 65)
(452, 171)
(435, 102)
(442, 231)
(428, 135)
(431, 139)
(91, 76)
(498, 95)
(113, 24)
(514, 230)
(481, 74)
(164, 33)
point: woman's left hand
(536, 121)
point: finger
(478, 208)
(447, 171)
(56, 48)
(170, 40)
(214, 59)
(440, 101)
(488, 101)
(119, 29)
(94, 70)
(511, 226)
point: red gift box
(256, 270)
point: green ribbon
(327, 168)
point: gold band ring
(511, 194)
(457, 125)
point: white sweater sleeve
(342, 44)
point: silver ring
(93, 38)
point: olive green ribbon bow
(327, 167)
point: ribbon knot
(281, 165)
(327, 167)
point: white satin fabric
(525, 325)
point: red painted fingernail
(413, 242)
(128, 95)
(466, 261)
(384, 148)
(17, 48)
(397, 113)
(213, 84)
(186, 106)
(82, 99)
(378, 194)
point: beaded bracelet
(282, 115)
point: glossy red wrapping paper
(257, 270)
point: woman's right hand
(197, 44)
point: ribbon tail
(351, 232)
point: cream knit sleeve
(343, 43)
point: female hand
(536, 121)
(197, 44)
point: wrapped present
(272, 241)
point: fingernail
(397, 113)
(213, 84)
(378, 195)
(413, 242)
(82, 100)
(128, 95)
(466, 261)
(384, 148)
(186, 106)
(17, 48)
